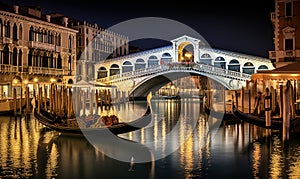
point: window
(15, 32)
(289, 44)
(288, 9)
(20, 32)
(7, 30)
(31, 34)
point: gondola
(226, 116)
(276, 122)
(49, 121)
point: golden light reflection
(294, 167)
(52, 163)
(276, 160)
(256, 159)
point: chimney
(65, 21)
(48, 17)
(16, 9)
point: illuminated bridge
(149, 70)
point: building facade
(95, 44)
(33, 50)
(286, 23)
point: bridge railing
(204, 68)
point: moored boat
(74, 127)
(276, 122)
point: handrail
(193, 67)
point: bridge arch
(206, 59)
(234, 65)
(153, 61)
(114, 70)
(102, 72)
(166, 58)
(186, 52)
(248, 68)
(127, 67)
(220, 62)
(158, 80)
(263, 67)
(139, 64)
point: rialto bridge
(149, 70)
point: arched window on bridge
(220, 62)
(248, 68)
(166, 58)
(206, 59)
(262, 67)
(152, 61)
(139, 64)
(127, 66)
(102, 72)
(234, 65)
(114, 70)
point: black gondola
(49, 121)
(276, 122)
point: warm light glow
(294, 75)
(25, 82)
(274, 74)
(35, 79)
(15, 81)
(188, 55)
(52, 80)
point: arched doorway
(185, 52)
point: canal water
(180, 142)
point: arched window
(6, 55)
(31, 34)
(127, 66)
(220, 62)
(102, 72)
(20, 56)
(234, 65)
(152, 61)
(15, 32)
(59, 62)
(263, 67)
(206, 59)
(114, 70)
(166, 58)
(139, 64)
(7, 29)
(30, 55)
(15, 57)
(70, 41)
(45, 60)
(248, 68)
(51, 62)
(20, 32)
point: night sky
(240, 26)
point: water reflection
(29, 150)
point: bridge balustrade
(184, 67)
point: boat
(227, 116)
(60, 125)
(7, 106)
(276, 122)
(171, 97)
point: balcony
(45, 70)
(283, 54)
(41, 45)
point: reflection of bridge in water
(149, 70)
